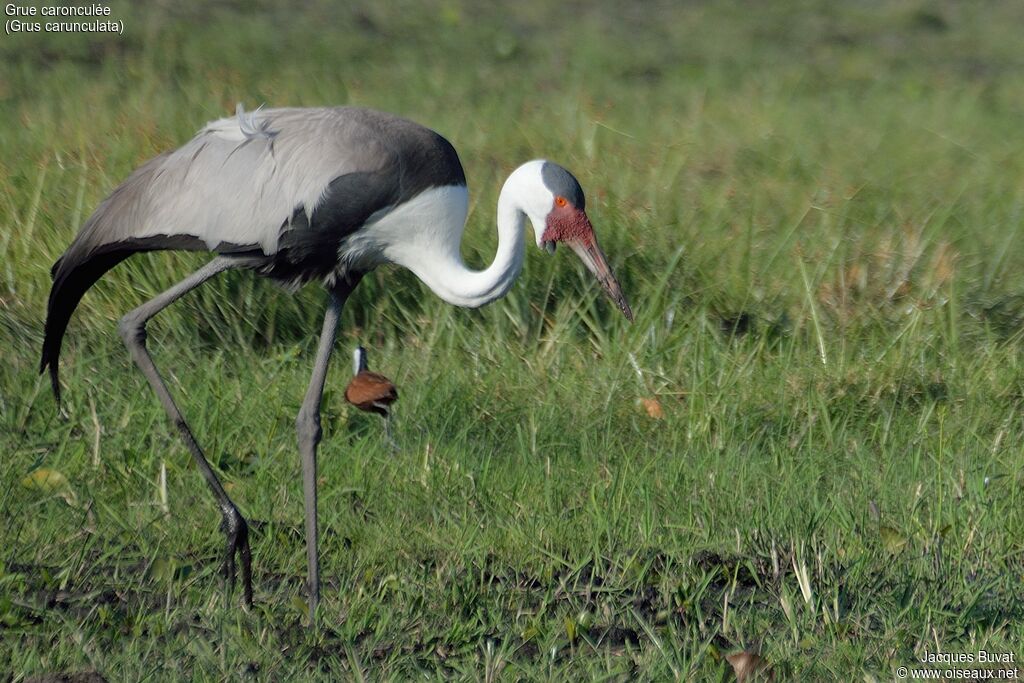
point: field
(808, 445)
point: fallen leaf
(892, 539)
(653, 408)
(746, 665)
(162, 568)
(50, 481)
(570, 629)
(301, 606)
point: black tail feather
(74, 273)
(71, 279)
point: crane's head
(556, 207)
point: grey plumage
(280, 189)
(563, 184)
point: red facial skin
(567, 223)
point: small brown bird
(367, 390)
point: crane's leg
(133, 331)
(307, 428)
(308, 431)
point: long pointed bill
(594, 259)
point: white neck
(457, 284)
(425, 235)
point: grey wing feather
(282, 179)
(239, 186)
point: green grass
(815, 212)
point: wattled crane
(303, 195)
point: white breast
(427, 228)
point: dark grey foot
(237, 532)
